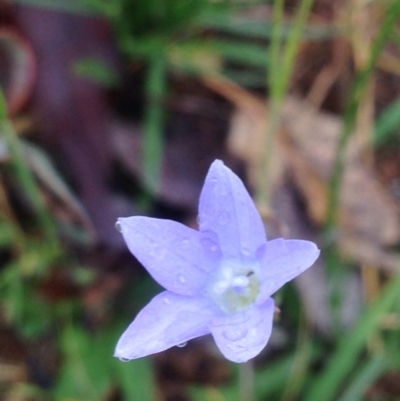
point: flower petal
(242, 336)
(171, 252)
(168, 320)
(283, 260)
(227, 209)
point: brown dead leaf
(174, 188)
(194, 138)
(306, 147)
(367, 211)
(247, 128)
(196, 362)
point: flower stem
(246, 381)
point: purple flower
(219, 279)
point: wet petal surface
(168, 320)
(283, 260)
(227, 209)
(242, 336)
(171, 252)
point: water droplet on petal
(234, 334)
(223, 218)
(167, 301)
(246, 251)
(185, 242)
(220, 188)
(181, 279)
(124, 359)
(209, 244)
(118, 226)
(253, 332)
(181, 345)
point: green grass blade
(351, 112)
(292, 46)
(137, 379)
(242, 52)
(387, 123)
(3, 108)
(248, 28)
(275, 48)
(350, 346)
(365, 376)
(96, 71)
(25, 177)
(156, 84)
(281, 64)
(70, 6)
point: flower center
(235, 287)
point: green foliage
(90, 370)
(70, 6)
(388, 124)
(97, 71)
(25, 179)
(281, 56)
(367, 372)
(165, 36)
(344, 360)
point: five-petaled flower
(219, 279)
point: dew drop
(124, 359)
(246, 251)
(234, 334)
(167, 301)
(181, 279)
(209, 245)
(223, 218)
(118, 226)
(181, 345)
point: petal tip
(217, 162)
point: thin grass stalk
(350, 346)
(71, 343)
(20, 241)
(154, 120)
(350, 115)
(26, 178)
(281, 64)
(275, 47)
(292, 46)
(71, 6)
(357, 91)
(301, 362)
(246, 381)
(365, 375)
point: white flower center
(235, 287)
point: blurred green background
(117, 107)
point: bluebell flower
(218, 280)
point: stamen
(235, 287)
(240, 281)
